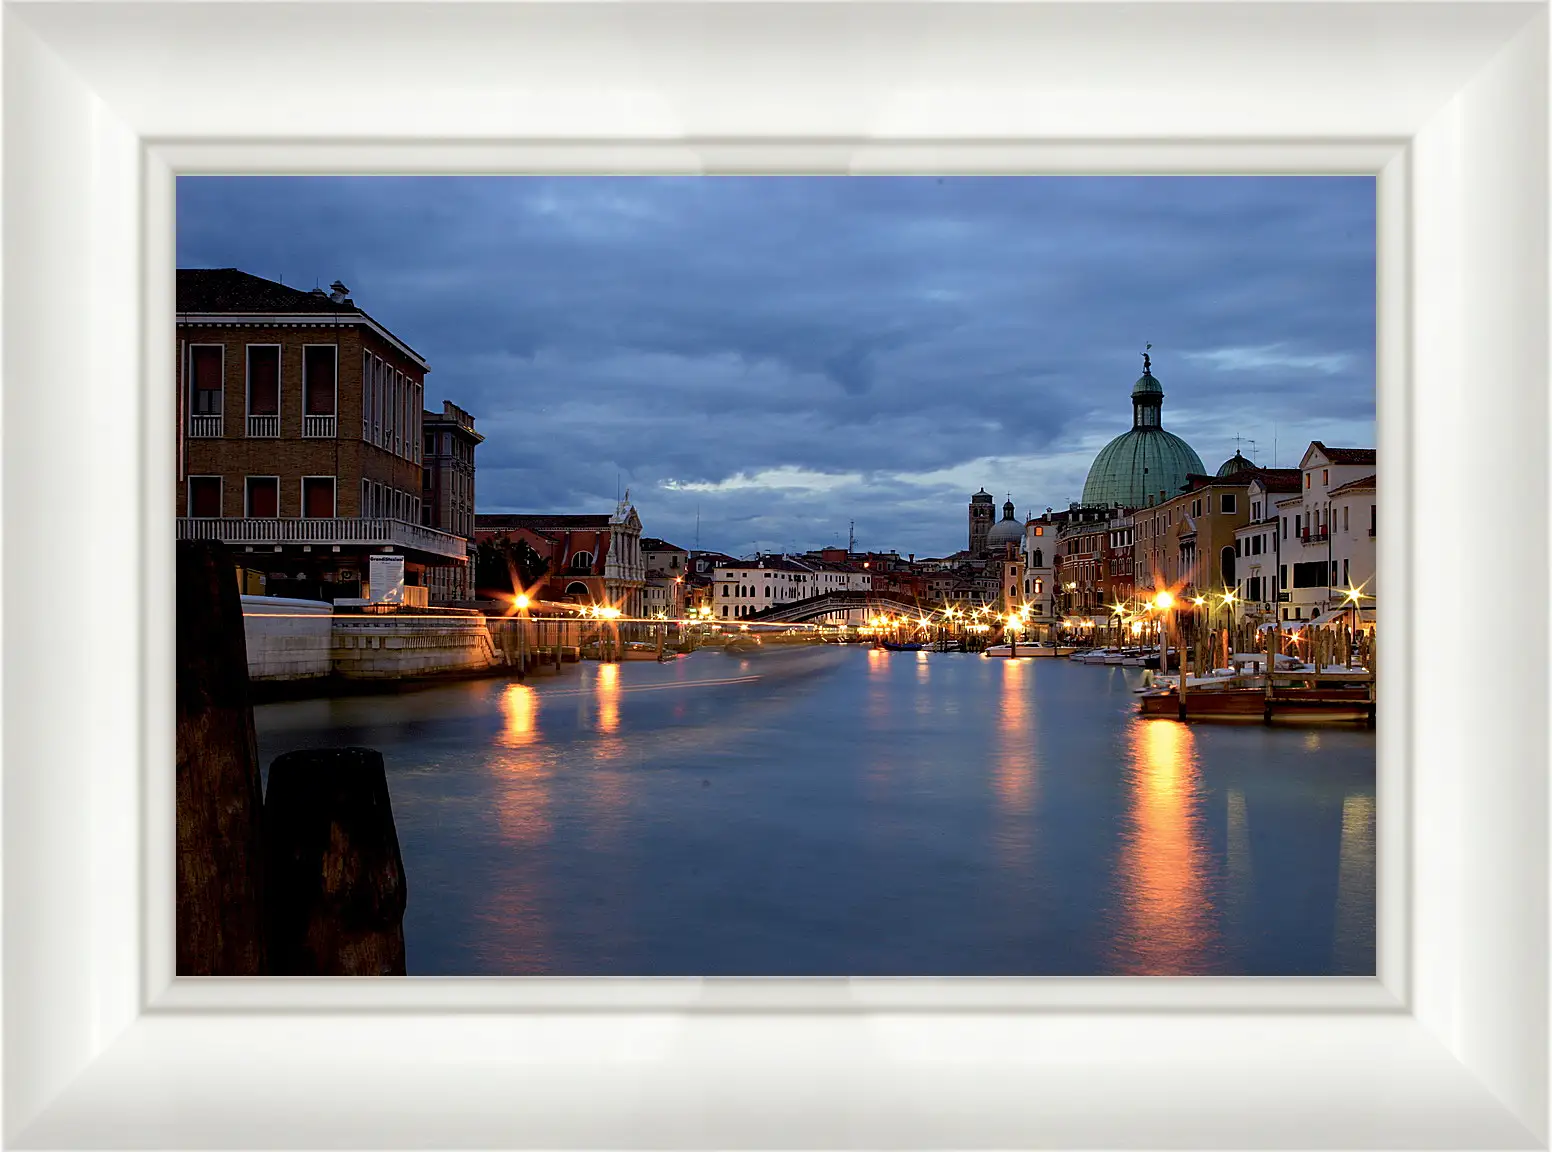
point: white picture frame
(104, 103)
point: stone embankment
(291, 642)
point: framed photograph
(1420, 1021)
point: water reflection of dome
(1005, 531)
(1134, 468)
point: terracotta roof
(653, 544)
(1280, 479)
(1362, 484)
(538, 522)
(1345, 455)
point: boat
(1020, 651)
(902, 645)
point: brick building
(592, 558)
(299, 435)
(447, 494)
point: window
(205, 496)
(1282, 575)
(1298, 522)
(1345, 525)
(728, 587)
(581, 559)
(318, 497)
(1325, 476)
(205, 371)
(1040, 531)
(1237, 547)
(1040, 587)
(1346, 580)
(318, 379)
(1308, 476)
(1040, 563)
(724, 612)
(1285, 527)
(263, 497)
(1332, 581)
(1310, 575)
(1255, 510)
(264, 380)
(1226, 503)
(576, 588)
(1371, 519)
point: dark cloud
(784, 355)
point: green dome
(1235, 463)
(1145, 461)
(1137, 464)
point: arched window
(726, 588)
(1040, 563)
(767, 591)
(1226, 562)
(576, 588)
(582, 560)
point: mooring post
(336, 884)
(218, 797)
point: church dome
(1006, 531)
(1235, 463)
(1145, 461)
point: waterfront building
(1090, 540)
(447, 494)
(1187, 543)
(1258, 543)
(664, 592)
(981, 513)
(299, 437)
(1329, 544)
(744, 587)
(1143, 466)
(592, 558)
(1040, 546)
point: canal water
(851, 811)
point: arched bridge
(830, 604)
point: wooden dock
(1309, 696)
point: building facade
(447, 494)
(299, 436)
(591, 558)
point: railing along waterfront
(322, 530)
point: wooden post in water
(336, 880)
(217, 792)
(1276, 642)
(1184, 670)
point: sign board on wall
(385, 579)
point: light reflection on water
(846, 811)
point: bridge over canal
(831, 607)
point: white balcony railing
(368, 531)
(205, 426)
(264, 426)
(319, 426)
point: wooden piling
(336, 882)
(217, 791)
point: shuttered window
(318, 496)
(318, 379)
(205, 367)
(263, 497)
(205, 496)
(263, 380)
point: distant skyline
(787, 354)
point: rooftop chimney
(338, 292)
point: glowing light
(520, 600)
(609, 613)
(1164, 601)
(1199, 601)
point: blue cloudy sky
(783, 355)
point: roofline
(300, 319)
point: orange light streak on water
(1165, 928)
